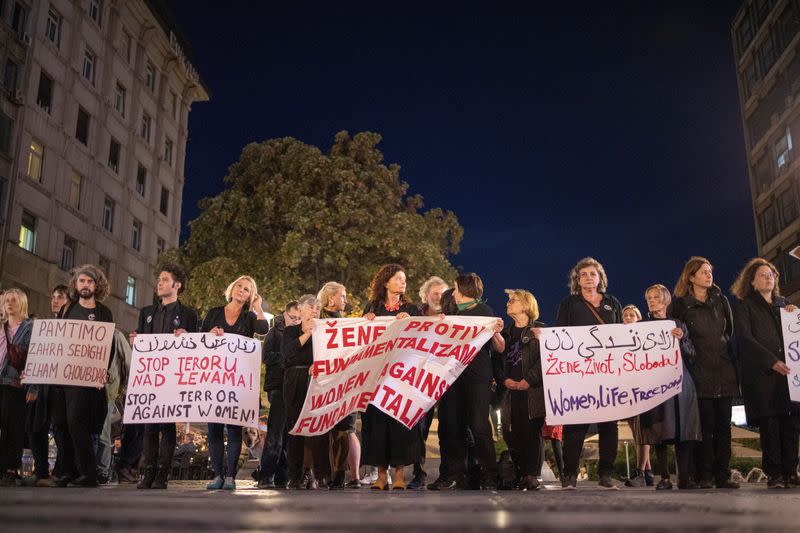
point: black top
(101, 313)
(294, 354)
(379, 308)
(271, 355)
(246, 325)
(166, 319)
(480, 369)
(575, 311)
(512, 355)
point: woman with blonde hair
(242, 315)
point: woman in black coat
(700, 305)
(764, 384)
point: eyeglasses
(767, 275)
(294, 318)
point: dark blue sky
(553, 133)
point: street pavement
(186, 506)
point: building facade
(93, 129)
(766, 42)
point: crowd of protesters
(727, 354)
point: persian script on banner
(608, 372)
(195, 377)
(69, 352)
(790, 323)
(402, 367)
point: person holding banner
(765, 388)
(237, 317)
(700, 304)
(387, 442)
(80, 412)
(589, 304)
(465, 405)
(168, 316)
(15, 337)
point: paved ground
(187, 507)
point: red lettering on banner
(332, 339)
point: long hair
(328, 291)
(101, 288)
(574, 275)
(743, 286)
(377, 288)
(22, 301)
(683, 286)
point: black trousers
(387, 442)
(295, 387)
(73, 418)
(12, 427)
(684, 456)
(466, 406)
(132, 445)
(425, 427)
(714, 454)
(779, 444)
(573, 446)
(524, 438)
(159, 445)
(273, 458)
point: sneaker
(775, 482)
(337, 483)
(418, 482)
(569, 482)
(664, 484)
(266, 484)
(443, 484)
(607, 483)
(229, 484)
(649, 478)
(791, 481)
(637, 481)
(370, 477)
(216, 483)
(727, 484)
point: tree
(294, 218)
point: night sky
(553, 134)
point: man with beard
(168, 316)
(79, 412)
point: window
(150, 76)
(767, 54)
(10, 76)
(144, 131)
(35, 160)
(174, 99)
(52, 28)
(108, 214)
(769, 222)
(113, 155)
(5, 133)
(27, 232)
(160, 246)
(141, 179)
(130, 291)
(105, 265)
(89, 62)
(136, 235)
(68, 253)
(164, 207)
(789, 208)
(96, 11)
(782, 148)
(168, 151)
(127, 46)
(75, 189)
(44, 96)
(744, 34)
(82, 126)
(19, 17)
(119, 99)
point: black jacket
(271, 355)
(531, 372)
(183, 318)
(574, 311)
(292, 352)
(759, 339)
(710, 326)
(246, 325)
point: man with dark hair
(58, 297)
(274, 470)
(168, 316)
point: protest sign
(401, 366)
(194, 377)
(790, 324)
(69, 352)
(608, 372)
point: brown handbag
(16, 356)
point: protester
(554, 434)
(273, 467)
(759, 337)
(523, 408)
(242, 315)
(387, 442)
(465, 405)
(587, 305)
(297, 350)
(117, 375)
(676, 421)
(700, 304)
(167, 316)
(80, 412)
(15, 336)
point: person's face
(458, 297)
(11, 304)
(588, 279)
(57, 301)
(397, 283)
(85, 286)
(166, 285)
(435, 297)
(292, 316)
(242, 292)
(655, 301)
(704, 277)
(629, 317)
(514, 306)
(308, 312)
(338, 301)
(764, 280)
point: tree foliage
(294, 218)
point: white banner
(69, 352)
(608, 372)
(196, 377)
(790, 323)
(401, 366)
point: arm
(750, 348)
(534, 374)
(563, 315)
(726, 306)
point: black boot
(147, 478)
(161, 478)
